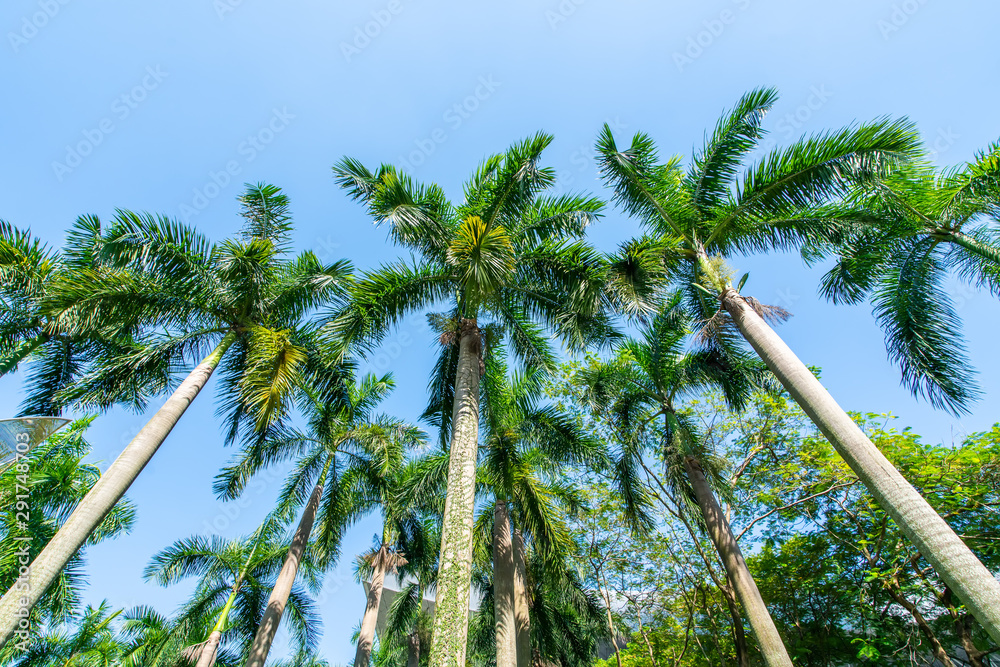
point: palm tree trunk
(503, 587)
(286, 578)
(413, 652)
(937, 542)
(739, 636)
(20, 351)
(521, 605)
(451, 609)
(104, 495)
(366, 638)
(771, 646)
(210, 650)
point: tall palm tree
(641, 388)
(234, 580)
(341, 459)
(246, 300)
(379, 488)
(784, 200)
(408, 623)
(507, 254)
(528, 448)
(934, 223)
(55, 478)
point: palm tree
(506, 254)
(339, 460)
(245, 299)
(28, 272)
(93, 642)
(783, 201)
(379, 487)
(234, 581)
(528, 448)
(522, 482)
(56, 478)
(150, 639)
(640, 388)
(934, 223)
(408, 623)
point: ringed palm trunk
(771, 646)
(451, 606)
(20, 351)
(521, 605)
(210, 649)
(503, 587)
(937, 542)
(104, 495)
(286, 578)
(366, 638)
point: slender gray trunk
(974, 585)
(286, 578)
(20, 351)
(366, 638)
(451, 609)
(521, 603)
(413, 652)
(210, 650)
(102, 497)
(503, 587)
(771, 646)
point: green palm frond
(923, 330)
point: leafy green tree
(379, 488)
(507, 255)
(850, 530)
(712, 211)
(245, 300)
(36, 496)
(938, 223)
(234, 581)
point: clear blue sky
(164, 97)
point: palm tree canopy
(720, 205)
(932, 225)
(508, 252)
(248, 566)
(168, 294)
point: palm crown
(507, 252)
(719, 206)
(935, 223)
(169, 291)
